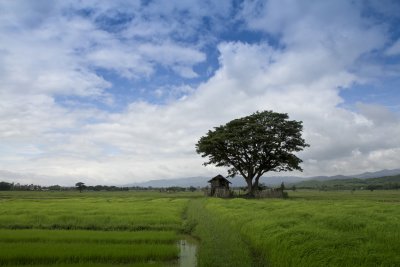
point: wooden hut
(219, 187)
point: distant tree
(54, 187)
(282, 187)
(371, 187)
(80, 186)
(192, 188)
(293, 188)
(4, 186)
(98, 188)
(175, 189)
(253, 145)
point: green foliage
(253, 145)
(4, 186)
(80, 186)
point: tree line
(6, 186)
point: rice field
(311, 228)
(308, 229)
(91, 212)
(105, 229)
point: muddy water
(188, 252)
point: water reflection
(188, 252)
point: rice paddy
(310, 228)
(85, 229)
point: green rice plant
(312, 229)
(126, 213)
(54, 253)
(152, 264)
(80, 236)
(99, 229)
(220, 244)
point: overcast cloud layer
(113, 92)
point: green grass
(79, 236)
(102, 229)
(313, 229)
(110, 253)
(220, 245)
(92, 213)
(153, 264)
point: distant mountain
(364, 175)
(197, 181)
(326, 178)
(386, 182)
(201, 181)
(382, 173)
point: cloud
(379, 115)
(61, 51)
(317, 51)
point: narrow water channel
(188, 252)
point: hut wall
(218, 192)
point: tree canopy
(80, 186)
(253, 145)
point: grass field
(311, 228)
(73, 229)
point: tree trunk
(250, 190)
(254, 186)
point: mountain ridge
(201, 181)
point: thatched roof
(219, 177)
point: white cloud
(379, 115)
(320, 45)
(58, 54)
(177, 56)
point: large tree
(253, 145)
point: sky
(117, 92)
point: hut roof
(219, 177)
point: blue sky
(112, 92)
